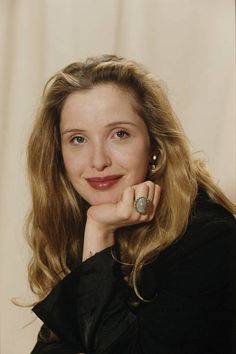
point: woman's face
(105, 144)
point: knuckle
(126, 214)
(149, 183)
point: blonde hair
(55, 225)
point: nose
(100, 157)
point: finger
(151, 190)
(157, 194)
(141, 190)
(128, 195)
(156, 198)
(125, 205)
(150, 197)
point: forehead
(101, 103)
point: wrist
(100, 230)
(96, 238)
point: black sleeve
(194, 310)
(52, 348)
(56, 347)
(88, 310)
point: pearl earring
(154, 162)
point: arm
(55, 347)
(101, 223)
(92, 245)
(76, 310)
(194, 309)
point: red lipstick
(103, 183)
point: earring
(153, 163)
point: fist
(111, 216)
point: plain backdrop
(189, 44)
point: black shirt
(191, 287)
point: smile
(103, 183)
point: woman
(133, 243)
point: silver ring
(141, 205)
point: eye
(77, 140)
(122, 134)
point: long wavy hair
(55, 225)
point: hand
(104, 219)
(109, 217)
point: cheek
(135, 161)
(139, 170)
(72, 165)
(140, 163)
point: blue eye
(122, 134)
(78, 140)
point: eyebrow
(107, 126)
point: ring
(141, 205)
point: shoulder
(206, 253)
(210, 226)
(207, 246)
(205, 210)
(209, 222)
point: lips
(103, 183)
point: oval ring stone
(141, 205)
